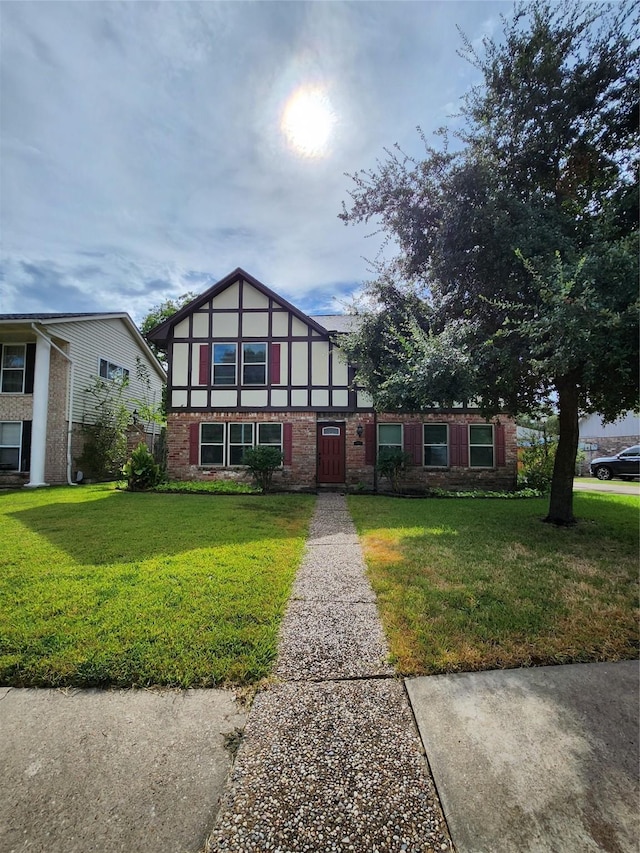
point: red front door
(331, 453)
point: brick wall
(302, 472)
(55, 471)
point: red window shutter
(205, 365)
(458, 445)
(287, 441)
(274, 372)
(369, 444)
(500, 445)
(413, 442)
(454, 445)
(463, 430)
(194, 444)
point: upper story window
(224, 364)
(12, 368)
(435, 446)
(481, 445)
(254, 364)
(109, 370)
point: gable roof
(51, 318)
(341, 323)
(160, 333)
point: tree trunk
(561, 500)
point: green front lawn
(479, 584)
(101, 587)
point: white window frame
(245, 444)
(400, 446)
(4, 369)
(215, 363)
(279, 445)
(222, 444)
(227, 444)
(492, 445)
(263, 364)
(119, 373)
(17, 447)
(425, 444)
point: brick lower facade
(301, 474)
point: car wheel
(603, 473)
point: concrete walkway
(540, 760)
(112, 771)
(331, 759)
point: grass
(469, 585)
(104, 587)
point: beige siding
(280, 324)
(299, 363)
(91, 340)
(255, 325)
(252, 298)
(229, 298)
(320, 365)
(200, 325)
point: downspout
(375, 458)
(69, 399)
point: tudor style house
(247, 368)
(47, 361)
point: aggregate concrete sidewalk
(331, 759)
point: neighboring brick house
(248, 368)
(47, 361)
(600, 439)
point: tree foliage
(520, 246)
(158, 314)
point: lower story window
(212, 444)
(481, 446)
(389, 438)
(271, 435)
(240, 439)
(10, 444)
(226, 443)
(436, 453)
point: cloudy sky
(149, 149)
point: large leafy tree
(516, 267)
(158, 314)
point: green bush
(262, 462)
(141, 471)
(538, 459)
(392, 464)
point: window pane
(224, 353)
(435, 433)
(10, 433)
(480, 434)
(12, 381)
(241, 433)
(224, 374)
(13, 356)
(481, 457)
(269, 433)
(236, 453)
(211, 454)
(435, 455)
(389, 434)
(255, 353)
(254, 374)
(104, 368)
(9, 459)
(212, 433)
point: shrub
(262, 462)
(105, 441)
(140, 470)
(392, 464)
(537, 464)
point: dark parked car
(625, 465)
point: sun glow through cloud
(307, 121)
